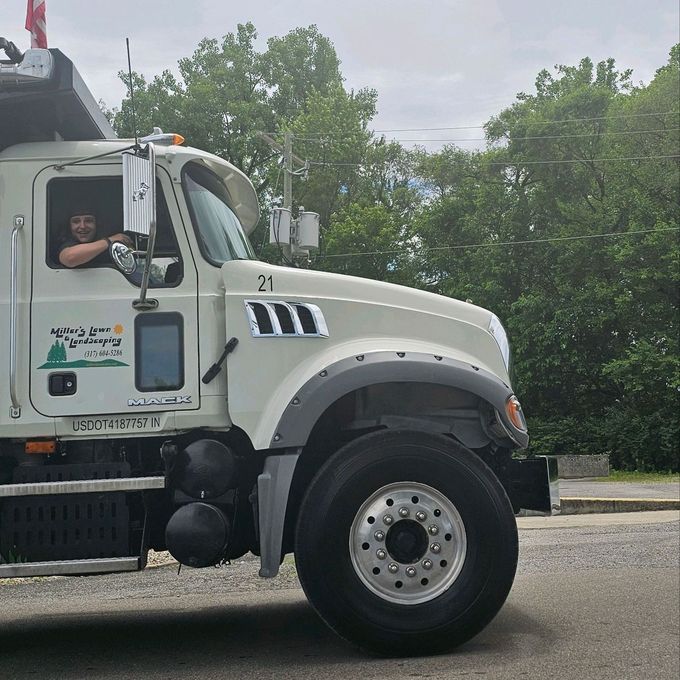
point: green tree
(298, 64)
(594, 321)
(228, 91)
(332, 134)
(369, 241)
(220, 101)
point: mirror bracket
(145, 305)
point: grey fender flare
(351, 373)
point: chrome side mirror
(123, 257)
(139, 211)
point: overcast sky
(435, 63)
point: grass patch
(640, 477)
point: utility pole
(294, 236)
(288, 170)
(288, 158)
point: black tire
(324, 558)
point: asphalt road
(594, 598)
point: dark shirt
(101, 260)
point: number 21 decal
(266, 284)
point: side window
(159, 352)
(103, 198)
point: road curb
(582, 506)
(606, 519)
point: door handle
(15, 408)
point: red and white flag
(36, 23)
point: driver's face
(83, 228)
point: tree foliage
(229, 91)
(594, 321)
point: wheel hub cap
(407, 543)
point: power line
(555, 161)
(581, 160)
(546, 122)
(505, 243)
(481, 127)
(517, 139)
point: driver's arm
(81, 253)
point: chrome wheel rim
(407, 543)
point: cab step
(70, 567)
(81, 486)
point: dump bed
(43, 98)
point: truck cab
(180, 395)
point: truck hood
(294, 284)
(364, 315)
(358, 318)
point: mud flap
(534, 485)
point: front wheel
(406, 543)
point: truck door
(91, 352)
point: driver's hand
(121, 238)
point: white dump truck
(174, 393)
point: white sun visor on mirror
(138, 193)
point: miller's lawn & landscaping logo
(83, 347)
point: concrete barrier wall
(578, 466)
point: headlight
(496, 329)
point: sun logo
(118, 329)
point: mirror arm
(61, 166)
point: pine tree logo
(57, 353)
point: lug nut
(381, 554)
(403, 512)
(433, 529)
(436, 548)
(427, 564)
(388, 519)
(379, 535)
(411, 571)
(421, 516)
(392, 568)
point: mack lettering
(160, 401)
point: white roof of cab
(241, 190)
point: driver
(82, 245)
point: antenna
(132, 92)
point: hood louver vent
(306, 319)
(285, 317)
(276, 318)
(264, 323)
